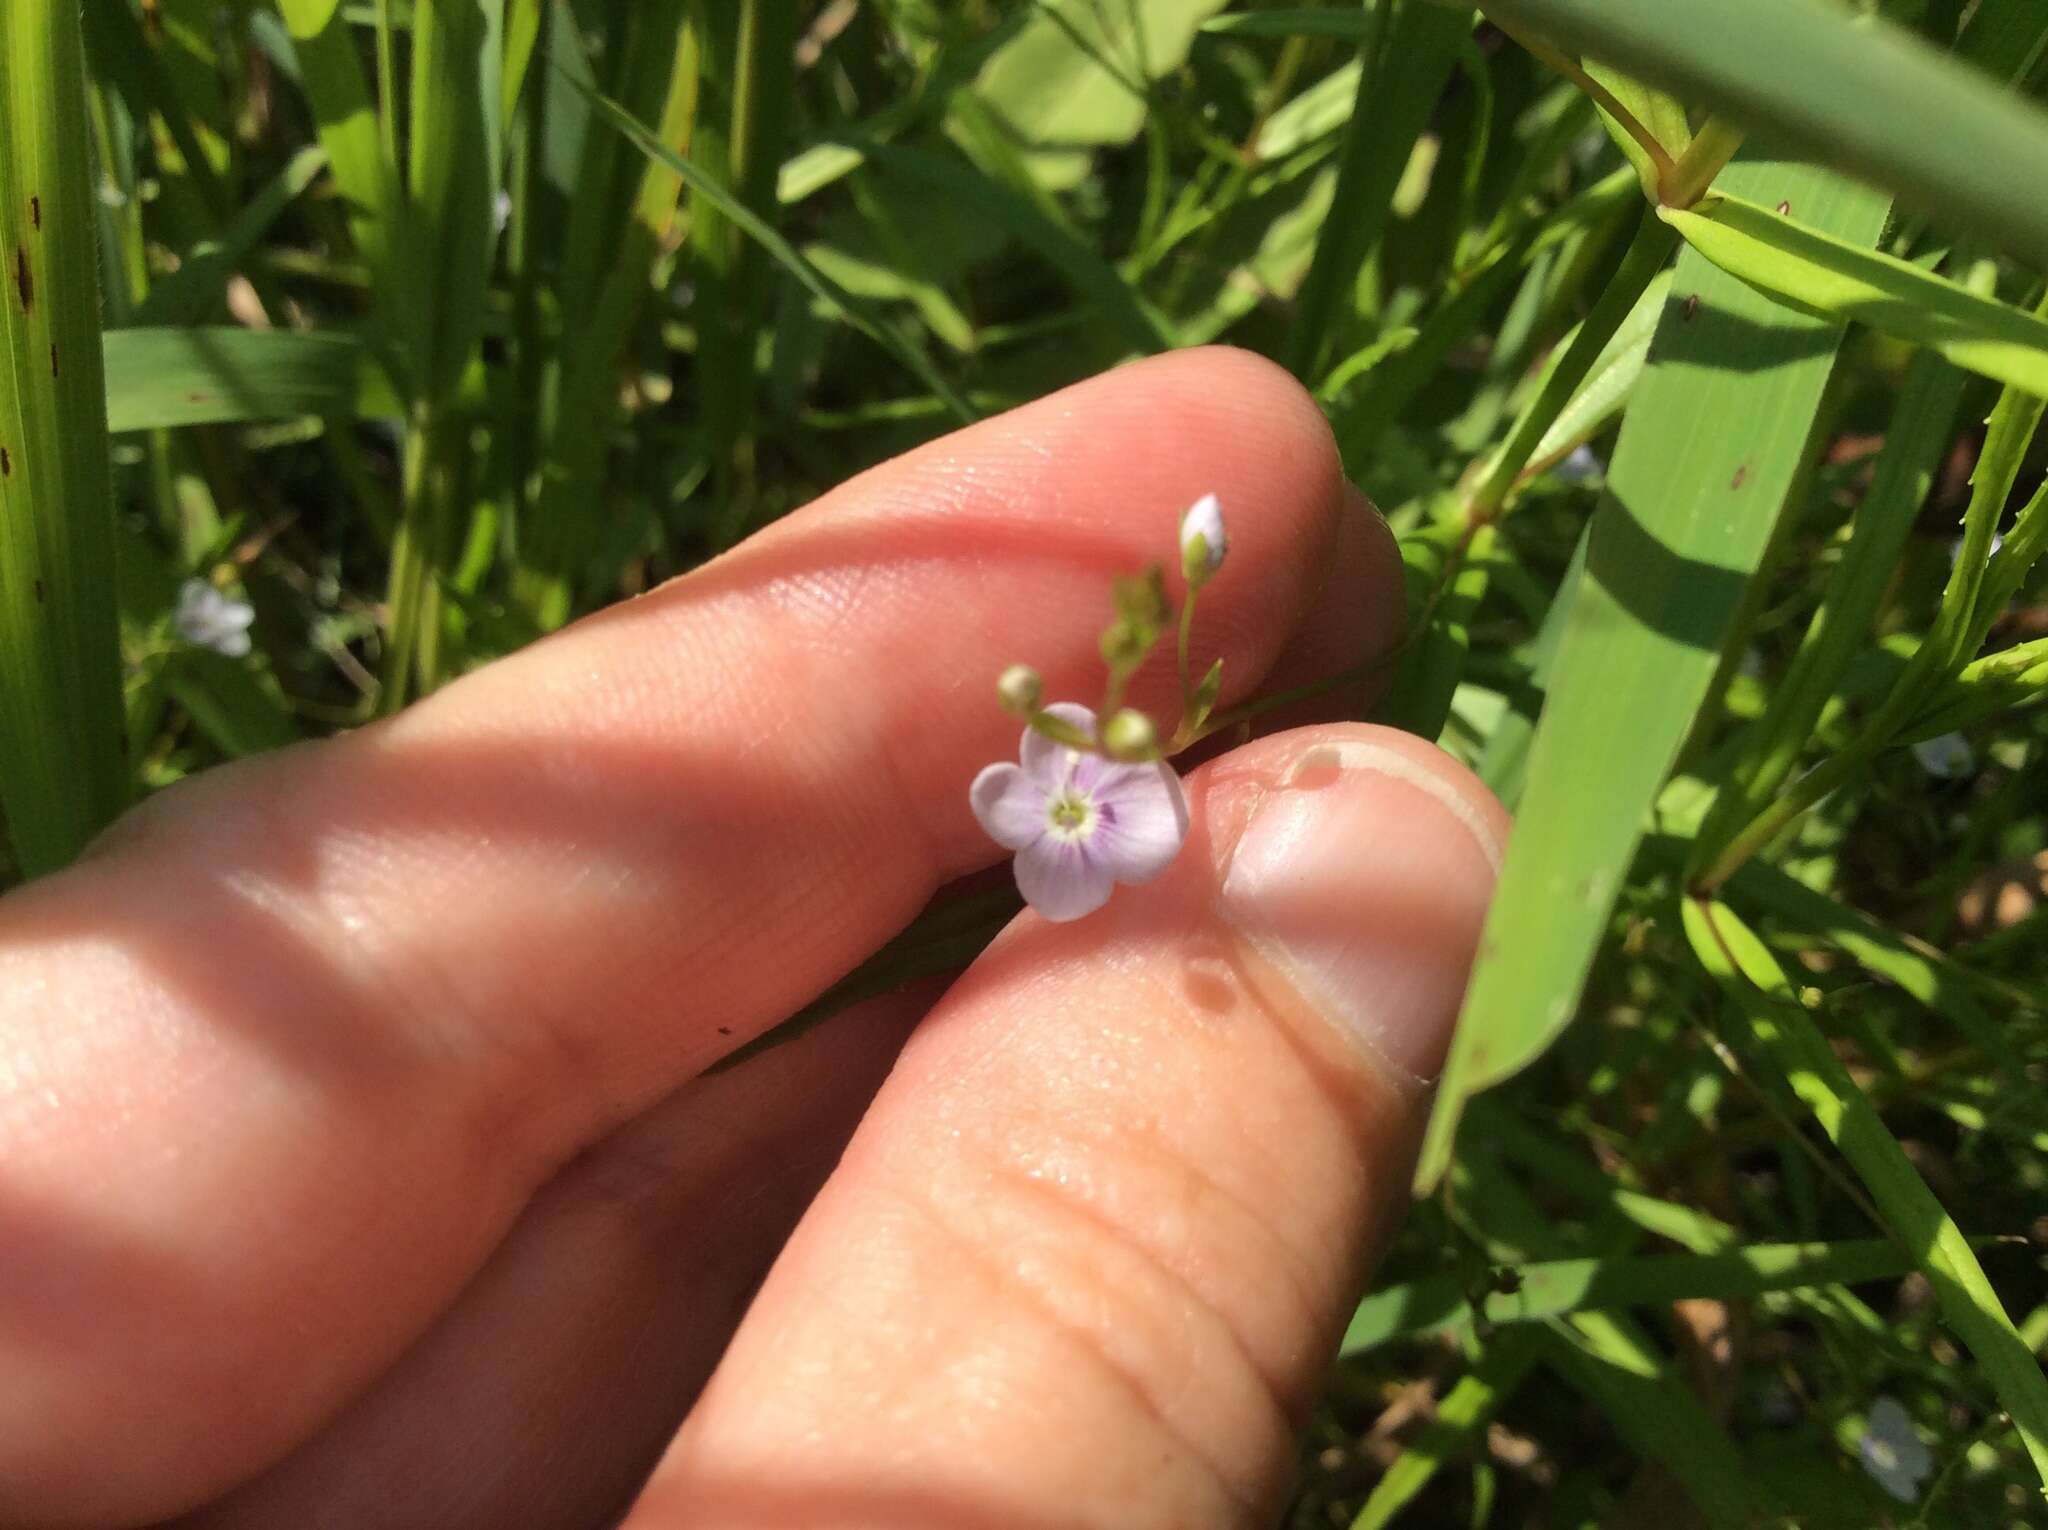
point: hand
(356, 1168)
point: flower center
(1071, 815)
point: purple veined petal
(1142, 821)
(1009, 805)
(1045, 761)
(1060, 879)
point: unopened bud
(1130, 736)
(1202, 540)
(1019, 689)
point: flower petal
(1009, 805)
(1142, 821)
(1062, 880)
(1047, 762)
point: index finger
(368, 994)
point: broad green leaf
(1858, 93)
(1801, 265)
(1074, 78)
(1708, 450)
(63, 771)
(162, 377)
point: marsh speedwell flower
(208, 619)
(1894, 1455)
(1088, 806)
(1079, 822)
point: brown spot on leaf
(1741, 477)
(1784, 208)
(35, 210)
(24, 280)
(53, 360)
(1690, 308)
(39, 592)
(6, 464)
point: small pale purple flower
(1204, 519)
(1892, 1452)
(208, 619)
(1947, 756)
(1080, 823)
(1579, 467)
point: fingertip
(1359, 862)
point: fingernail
(1365, 879)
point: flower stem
(1187, 685)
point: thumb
(1087, 1258)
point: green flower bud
(1130, 736)
(1019, 689)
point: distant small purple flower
(1579, 467)
(1080, 823)
(1947, 755)
(1892, 1452)
(208, 619)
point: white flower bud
(1202, 539)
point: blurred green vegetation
(432, 325)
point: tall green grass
(1696, 354)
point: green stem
(1654, 240)
(1187, 686)
(1704, 158)
(1601, 96)
(412, 559)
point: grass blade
(63, 771)
(1836, 280)
(1784, 1032)
(162, 377)
(1554, 1288)
(1086, 271)
(1862, 94)
(191, 293)
(1402, 72)
(1708, 450)
(1622, 1372)
(1460, 1418)
(849, 308)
